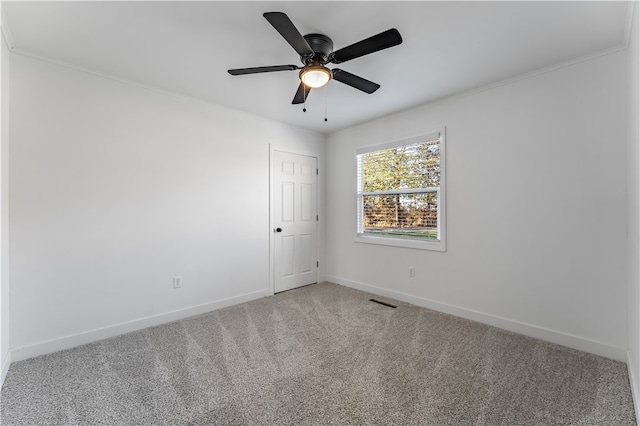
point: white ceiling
(186, 47)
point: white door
(295, 220)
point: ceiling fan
(316, 51)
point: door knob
(278, 229)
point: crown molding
(629, 22)
(8, 38)
(148, 87)
(107, 76)
(491, 86)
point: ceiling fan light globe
(315, 77)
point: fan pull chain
(326, 96)
(304, 102)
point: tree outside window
(399, 189)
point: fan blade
(381, 41)
(301, 94)
(285, 27)
(255, 70)
(354, 81)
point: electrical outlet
(177, 282)
(412, 271)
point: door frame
(319, 198)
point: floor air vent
(383, 303)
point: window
(401, 193)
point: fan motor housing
(321, 45)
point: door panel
(288, 260)
(306, 253)
(295, 220)
(287, 206)
(305, 202)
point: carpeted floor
(319, 355)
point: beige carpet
(319, 355)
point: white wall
(633, 195)
(115, 189)
(5, 354)
(536, 208)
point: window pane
(405, 167)
(414, 215)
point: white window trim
(440, 245)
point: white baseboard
(553, 336)
(633, 381)
(6, 362)
(67, 342)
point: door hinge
(318, 264)
(317, 218)
(316, 172)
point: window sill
(402, 242)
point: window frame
(399, 241)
